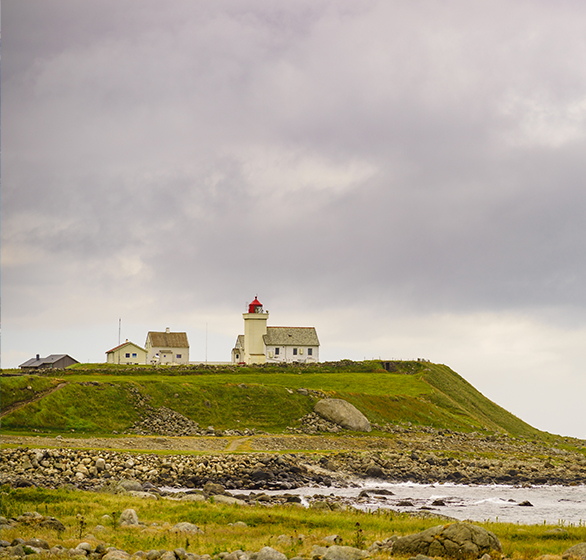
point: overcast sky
(407, 177)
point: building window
(277, 351)
(310, 351)
(134, 354)
(178, 356)
(294, 351)
(128, 355)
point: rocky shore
(88, 468)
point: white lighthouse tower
(255, 328)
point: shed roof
(168, 339)
(291, 336)
(51, 359)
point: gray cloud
(409, 159)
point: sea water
(563, 505)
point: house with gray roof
(263, 344)
(54, 361)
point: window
(128, 355)
(277, 351)
(178, 356)
(310, 351)
(294, 351)
(134, 354)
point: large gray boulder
(342, 413)
(457, 540)
(576, 551)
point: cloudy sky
(407, 177)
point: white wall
(286, 354)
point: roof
(33, 362)
(239, 341)
(291, 336)
(168, 339)
(127, 343)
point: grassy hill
(100, 399)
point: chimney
(38, 357)
(167, 330)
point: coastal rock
(455, 540)
(342, 413)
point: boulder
(185, 527)
(576, 551)
(128, 517)
(116, 555)
(455, 540)
(342, 413)
(268, 553)
(130, 485)
(337, 552)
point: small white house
(127, 353)
(261, 344)
(167, 347)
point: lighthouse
(255, 328)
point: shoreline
(283, 462)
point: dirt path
(36, 398)
(253, 444)
(236, 443)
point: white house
(261, 344)
(167, 347)
(127, 353)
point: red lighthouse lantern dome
(255, 306)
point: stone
(128, 517)
(342, 413)
(185, 527)
(144, 495)
(337, 552)
(268, 553)
(211, 489)
(37, 543)
(52, 523)
(193, 498)
(129, 485)
(374, 471)
(576, 551)
(456, 539)
(221, 499)
(100, 464)
(116, 555)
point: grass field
(101, 399)
(264, 525)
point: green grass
(97, 399)
(23, 388)
(265, 524)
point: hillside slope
(102, 399)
